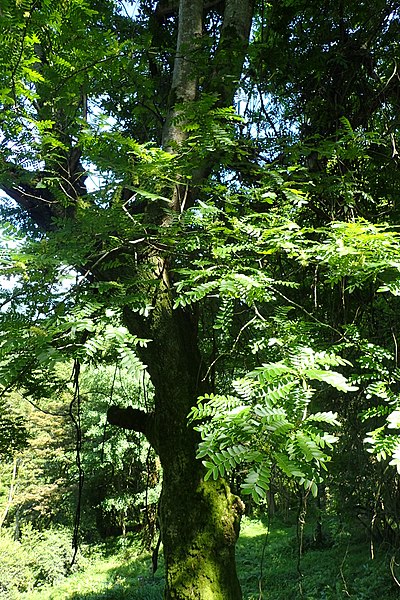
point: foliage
(122, 570)
(268, 423)
(36, 559)
(13, 432)
(271, 229)
(121, 474)
(16, 573)
(122, 487)
(383, 441)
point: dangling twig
(261, 577)
(301, 521)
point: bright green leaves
(269, 423)
(384, 440)
(208, 129)
(360, 251)
(257, 481)
(55, 60)
(33, 346)
(305, 365)
(377, 375)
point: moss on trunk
(199, 520)
(199, 532)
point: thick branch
(231, 51)
(135, 420)
(226, 71)
(37, 206)
(184, 79)
(39, 202)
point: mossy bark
(199, 519)
(199, 532)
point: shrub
(38, 558)
(16, 574)
(49, 553)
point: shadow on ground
(268, 569)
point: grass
(342, 570)
(118, 570)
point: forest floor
(268, 564)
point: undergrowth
(268, 565)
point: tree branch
(231, 51)
(134, 419)
(38, 202)
(184, 79)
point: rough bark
(199, 520)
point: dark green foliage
(13, 432)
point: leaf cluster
(268, 424)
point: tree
(66, 59)
(200, 225)
(339, 63)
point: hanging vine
(75, 415)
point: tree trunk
(200, 525)
(11, 491)
(199, 520)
